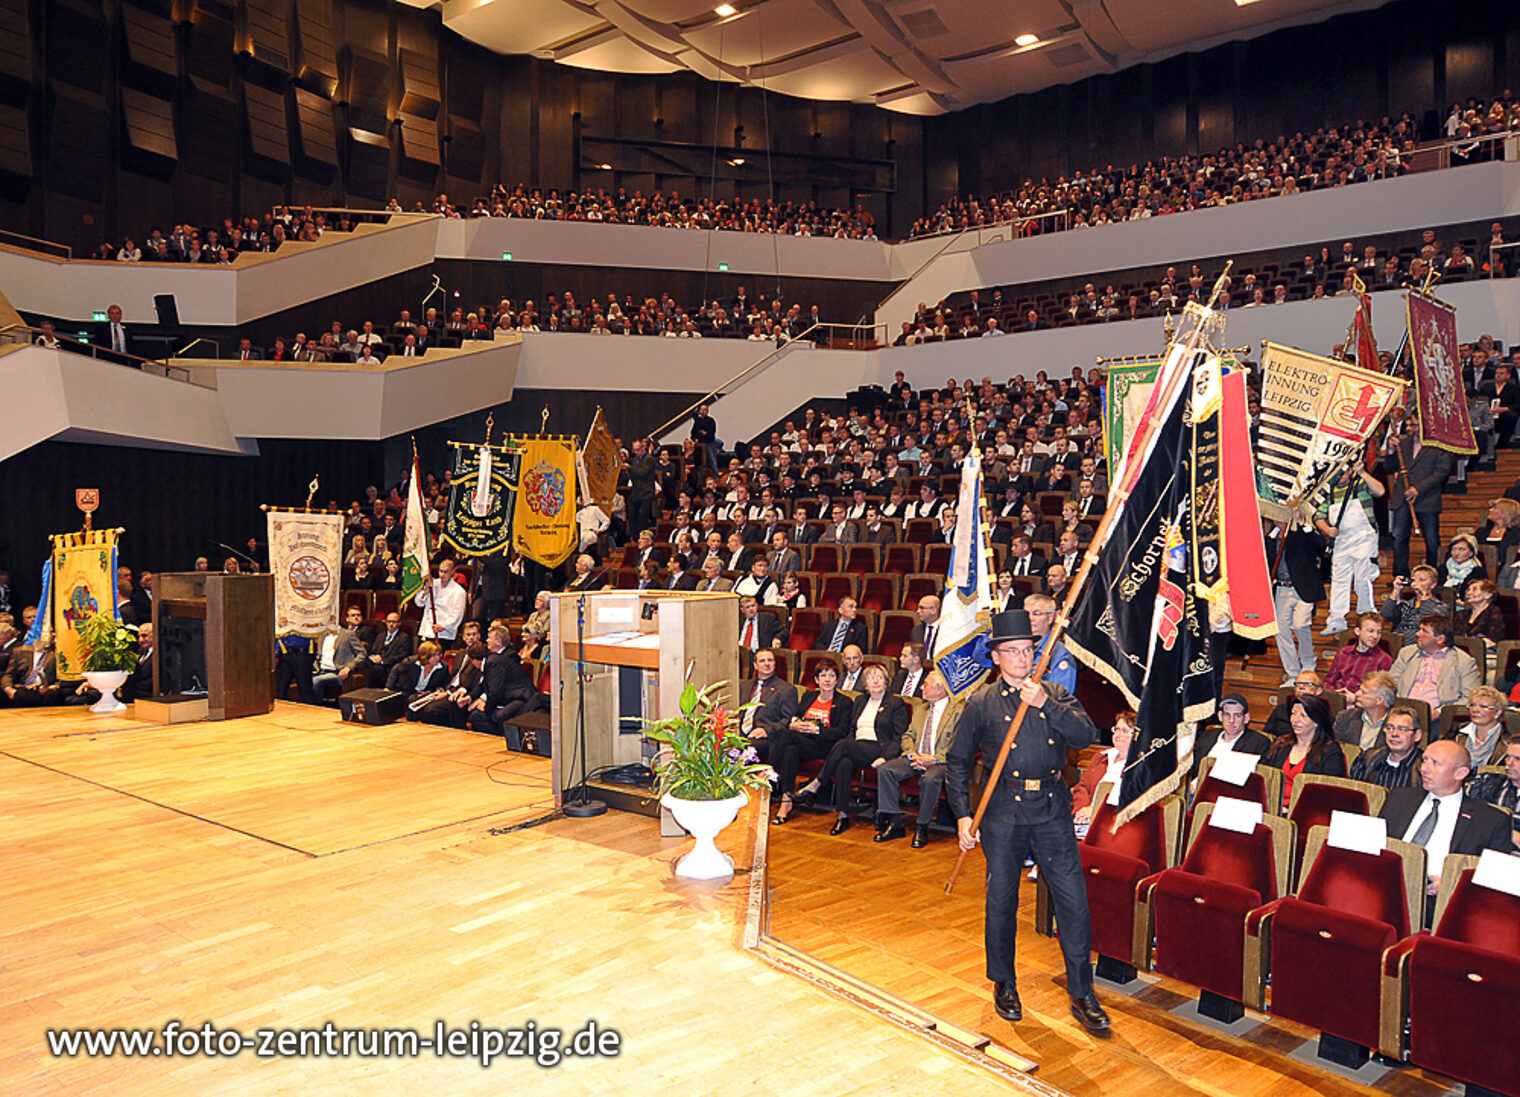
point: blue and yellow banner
(543, 521)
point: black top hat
(1011, 624)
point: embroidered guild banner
(543, 522)
(306, 560)
(83, 583)
(1444, 422)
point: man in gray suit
(340, 654)
(840, 531)
(712, 580)
(1418, 477)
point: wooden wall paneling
(1469, 34)
(637, 112)
(419, 114)
(315, 45)
(149, 145)
(315, 145)
(1168, 106)
(211, 42)
(1213, 92)
(78, 44)
(466, 155)
(16, 167)
(268, 35)
(554, 126)
(210, 130)
(150, 61)
(78, 141)
(1411, 63)
(267, 123)
(515, 122)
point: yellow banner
(600, 463)
(543, 521)
(306, 559)
(84, 582)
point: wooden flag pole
(1147, 430)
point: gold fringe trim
(1152, 796)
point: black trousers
(442, 713)
(845, 757)
(1053, 845)
(790, 749)
(295, 665)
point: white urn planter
(106, 682)
(704, 820)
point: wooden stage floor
(880, 913)
(292, 870)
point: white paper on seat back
(1241, 816)
(1358, 833)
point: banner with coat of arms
(1316, 415)
(1130, 381)
(83, 583)
(543, 521)
(306, 560)
(599, 464)
(1444, 422)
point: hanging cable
(712, 174)
(770, 179)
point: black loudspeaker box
(372, 706)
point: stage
(290, 870)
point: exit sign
(722, 266)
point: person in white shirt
(759, 584)
(442, 602)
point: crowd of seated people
(1328, 271)
(738, 317)
(661, 210)
(221, 244)
(1329, 157)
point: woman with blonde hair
(1502, 528)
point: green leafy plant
(709, 757)
(107, 644)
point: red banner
(1245, 565)
(1438, 375)
(1366, 343)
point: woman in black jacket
(821, 721)
(874, 730)
(1309, 747)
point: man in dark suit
(1090, 505)
(645, 551)
(800, 533)
(775, 700)
(1022, 559)
(1506, 390)
(138, 684)
(783, 558)
(1440, 816)
(846, 628)
(759, 630)
(909, 681)
(736, 557)
(453, 709)
(680, 578)
(704, 432)
(1418, 475)
(505, 690)
(641, 487)
(926, 632)
(874, 531)
(114, 335)
(1233, 732)
(390, 648)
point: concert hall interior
(434, 390)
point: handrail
(745, 372)
(95, 351)
(1064, 211)
(906, 282)
(6, 235)
(197, 341)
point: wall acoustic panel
(316, 144)
(466, 149)
(16, 69)
(316, 48)
(210, 130)
(15, 148)
(268, 126)
(149, 63)
(78, 39)
(78, 144)
(148, 128)
(419, 84)
(367, 90)
(268, 39)
(210, 44)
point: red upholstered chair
(1449, 997)
(386, 601)
(1324, 946)
(880, 592)
(919, 586)
(902, 559)
(896, 626)
(836, 585)
(937, 558)
(1114, 864)
(361, 598)
(1264, 787)
(811, 661)
(920, 531)
(862, 559)
(806, 624)
(1316, 796)
(1196, 913)
(823, 558)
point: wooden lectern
(642, 647)
(215, 632)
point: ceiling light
(605, 167)
(1031, 39)
(1243, 3)
(725, 10)
(737, 161)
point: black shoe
(804, 799)
(920, 837)
(890, 833)
(1090, 1013)
(1006, 1004)
(841, 825)
(789, 807)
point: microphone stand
(582, 806)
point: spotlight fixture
(725, 10)
(1026, 39)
